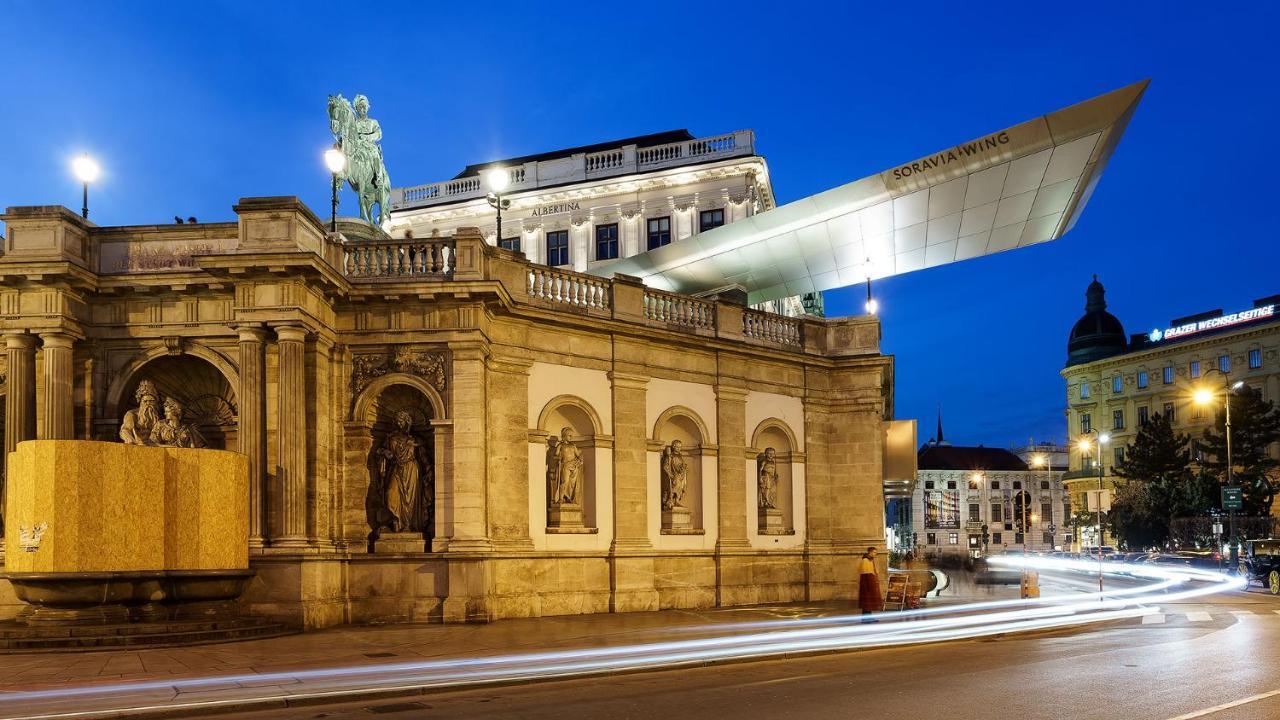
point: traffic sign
(1232, 498)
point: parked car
(1261, 563)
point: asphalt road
(1217, 652)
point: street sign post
(1232, 498)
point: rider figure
(368, 130)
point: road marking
(1227, 706)
(1153, 619)
(1242, 613)
(1197, 616)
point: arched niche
(202, 380)
(572, 416)
(366, 501)
(679, 423)
(773, 433)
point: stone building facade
(440, 430)
(1115, 382)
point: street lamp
(498, 179)
(1204, 396)
(336, 160)
(87, 170)
(872, 305)
(1084, 444)
(1042, 460)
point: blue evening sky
(189, 106)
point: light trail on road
(727, 642)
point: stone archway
(206, 391)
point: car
(1261, 563)
(985, 573)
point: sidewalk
(263, 673)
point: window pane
(607, 241)
(510, 244)
(1168, 375)
(1117, 384)
(1117, 419)
(1084, 390)
(1086, 423)
(1168, 411)
(1255, 359)
(1224, 363)
(558, 247)
(1143, 415)
(1195, 368)
(659, 232)
(708, 219)
(1142, 379)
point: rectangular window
(1142, 379)
(510, 244)
(1255, 359)
(1046, 512)
(1167, 375)
(1047, 539)
(1119, 456)
(607, 241)
(1087, 464)
(931, 538)
(953, 538)
(928, 484)
(1017, 484)
(708, 219)
(974, 540)
(1117, 384)
(1168, 412)
(975, 512)
(659, 232)
(1066, 511)
(558, 247)
(996, 538)
(995, 484)
(1086, 423)
(1084, 390)
(1117, 419)
(1144, 414)
(951, 484)
(1017, 538)
(1195, 368)
(996, 513)
(1044, 484)
(1224, 363)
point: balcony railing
(760, 325)
(568, 288)
(673, 309)
(622, 160)
(405, 258)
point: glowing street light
(87, 171)
(336, 161)
(1204, 396)
(498, 179)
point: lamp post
(87, 171)
(1084, 444)
(872, 306)
(1204, 397)
(1042, 460)
(336, 160)
(498, 179)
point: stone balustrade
(760, 325)
(436, 257)
(682, 310)
(621, 160)
(568, 288)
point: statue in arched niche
(171, 431)
(675, 473)
(566, 478)
(136, 427)
(767, 480)
(401, 494)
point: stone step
(168, 634)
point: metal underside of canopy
(1011, 188)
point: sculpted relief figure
(566, 473)
(767, 480)
(172, 431)
(401, 459)
(137, 424)
(674, 476)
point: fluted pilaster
(252, 399)
(57, 405)
(20, 400)
(292, 437)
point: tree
(1158, 485)
(1255, 424)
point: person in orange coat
(869, 598)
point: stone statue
(172, 431)
(674, 476)
(137, 424)
(767, 480)
(566, 474)
(357, 136)
(553, 469)
(400, 467)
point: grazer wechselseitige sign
(965, 151)
(1236, 318)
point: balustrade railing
(399, 258)
(674, 309)
(568, 288)
(607, 160)
(760, 325)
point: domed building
(1098, 334)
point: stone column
(631, 562)
(20, 403)
(468, 497)
(731, 421)
(56, 402)
(252, 397)
(291, 486)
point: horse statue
(357, 136)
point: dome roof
(1098, 334)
